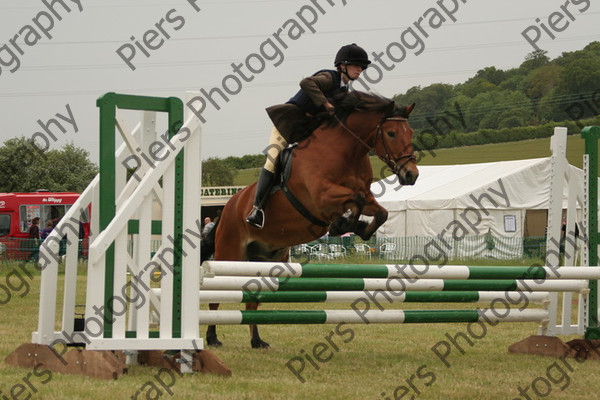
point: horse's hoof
(365, 238)
(259, 344)
(214, 342)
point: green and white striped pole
(296, 270)
(235, 317)
(395, 285)
(239, 296)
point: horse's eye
(391, 133)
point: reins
(355, 135)
(387, 158)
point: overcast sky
(80, 62)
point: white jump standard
(119, 299)
(123, 298)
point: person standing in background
(34, 239)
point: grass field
(361, 362)
(375, 362)
(466, 155)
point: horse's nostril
(409, 178)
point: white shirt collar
(349, 84)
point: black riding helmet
(352, 54)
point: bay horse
(331, 176)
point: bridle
(392, 163)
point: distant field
(371, 362)
(525, 149)
(467, 155)
(245, 177)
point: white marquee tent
(503, 200)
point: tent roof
(512, 184)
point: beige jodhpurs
(276, 144)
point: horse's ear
(409, 109)
(389, 109)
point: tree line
(538, 92)
(493, 106)
(26, 167)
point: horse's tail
(207, 244)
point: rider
(292, 119)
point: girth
(285, 171)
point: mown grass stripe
(283, 297)
(344, 271)
(440, 297)
(430, 316)
(309, 284)
(479, 284)
(283, 317)
(507, 273)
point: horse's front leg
(373, 209)
(348, 222)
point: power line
(188, 88)
(306, 57)
(558, 100)
(144, 5)
(224, 37)
(263, 35)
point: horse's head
(391, 139)
(393, 143)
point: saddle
(283, 173)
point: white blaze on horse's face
(397, 145)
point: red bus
(17, 210)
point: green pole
(591, 134)
(107, 207)
(175, 123)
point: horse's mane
(347, 103)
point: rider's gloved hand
(330, 108)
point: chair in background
(300, 251)
(320, 251)
(337, 251)
(363, 250)
(387, 250)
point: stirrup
(256, 218)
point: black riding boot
(263, 187)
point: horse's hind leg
(258, 252)
(255, 340)
(211, 331)
(228, 232)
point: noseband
(392, 163)
(387, 158)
